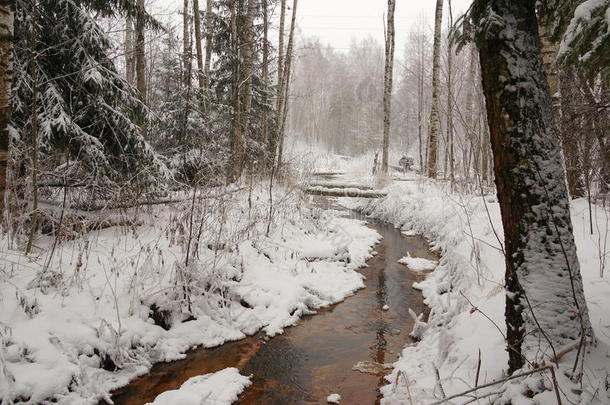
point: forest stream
(342, 349)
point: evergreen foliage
(84, 108)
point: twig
(495, 382)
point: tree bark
(130, 63)
(208, 44)
(7, 16)
(560, 83)
(198, 45)
(450, 96)
(237, 140)
(187, 69)
(141, 56)
(265, 75)
(545, 305)
(470, 112)
(571, 129)
(434, 117)
(279, 107)
(387, 85)
(286, 83)
(248, 57)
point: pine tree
(84, 107)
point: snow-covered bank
(466, 297)
(85, 317)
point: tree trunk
(571, 129)
(286, 83)
(141, 56)
(545, 306)
(470, 111)
(248, 67)
(560, 84)
(279, 107)
(387, 85)
(130, 63)
(434, 118)
(7, 15)
(198, 45)
(208, 44)
(237, 141)
(450, 97)
(265, 74)
(187, 69)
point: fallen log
(345, 192)
(331, 184)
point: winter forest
(207, 202)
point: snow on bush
(86, 317)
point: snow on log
(345, 192)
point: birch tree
(387, 84)
(435, 124)
(7, 15)
(286, 84)
(545, 306)
(279, 107)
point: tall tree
(435, 123)
(208, 43)
(387, 84)
(287, 71)
(248, 65)
(450, 129)
(7, 15)
(237, 138)
(141, 54)
(545, 305)
(279, 107)
(198, 44)
(265, 76)
(562, 83)
(130, 62)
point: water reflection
(316, 357)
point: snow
(220, 388)
(333, 399)
(82, 326)
(418, 264)
(466, 296)
(348, 190)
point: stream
(316, 357)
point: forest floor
(83, 315)
(99, 309)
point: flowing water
(316, 357)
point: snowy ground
(103, 307)
(466, 297)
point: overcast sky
(336, 22)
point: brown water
(315, 358)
